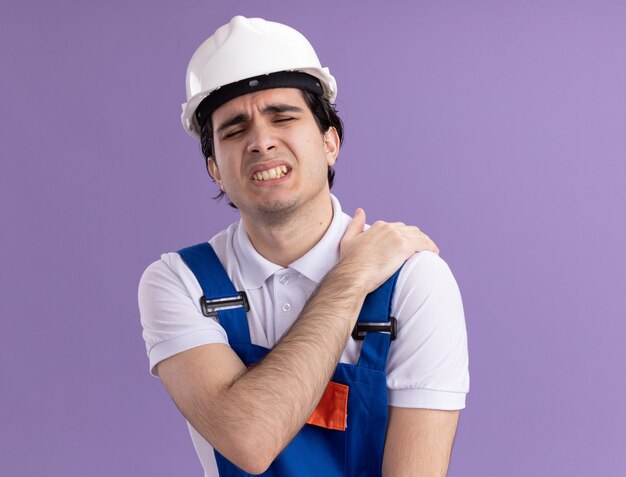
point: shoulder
(423, 275)
(166, 288)
(427, 301)
(168, 272)
(428, 263)
(171, 268)
(167, 284)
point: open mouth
(269, 174)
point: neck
(286, 241)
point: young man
(293, 386)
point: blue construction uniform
(357, 448)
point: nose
(261, 138)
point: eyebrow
(236, 119)
(281, 108)
(269, 109)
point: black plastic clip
(361, 329)
(211, 307)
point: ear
(214, 172)
(331, 145)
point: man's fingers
(414, 238)
(424, 242)
(357, 224)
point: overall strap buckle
(211, 307)
(362, 328)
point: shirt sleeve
(169, 305)
(428, 361)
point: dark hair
(325, 115)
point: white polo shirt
(428, 362)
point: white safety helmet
(249, 48)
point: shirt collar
(255, 268)
(314, 265)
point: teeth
(273, 173)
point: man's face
(269, 155)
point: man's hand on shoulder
(375, 254)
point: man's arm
(251, 415)
(419, 442)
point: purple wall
(498, 128)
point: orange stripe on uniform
(332, 410)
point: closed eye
(232, 134)
(283, 120)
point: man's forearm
(271, 402)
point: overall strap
(217, 287)
(377, 309)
